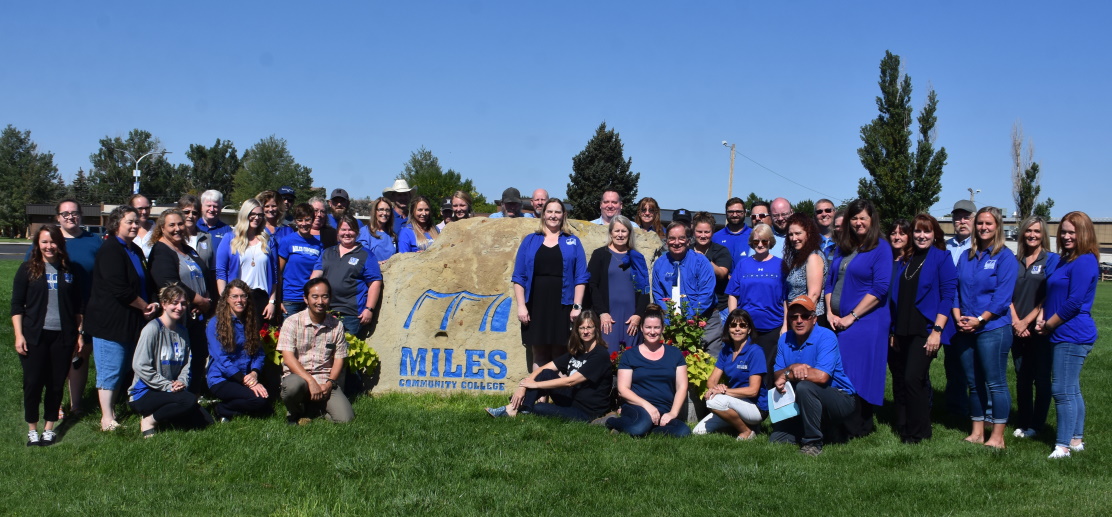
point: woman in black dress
(550, 276)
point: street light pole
(136, 172)
(733, 152)
(973, 193)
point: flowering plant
(616, 357)
(269, 336)
(687, 335)
(361, 357)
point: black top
(115, 284)
(164, 263)
(597, 297)
(909, 321)
(719, 255)
(1030, 284)
(30, 298)
(591, 396)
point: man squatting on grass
(313, 351)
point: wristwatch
(576, 307)
(980, 319)
(936, 328)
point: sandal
(110, 427)
(746, 437)
(150, 432)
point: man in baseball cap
(287, 195)
(809, 359)
(339, 202)
(511, 205)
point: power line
(823, 194)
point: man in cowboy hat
(398, 195)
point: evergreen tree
(214, 168)
(753, 199)
(601, 166)
(27, 175)
(79, 189)
(806, 206)
(423, 172)
(268, 165)
(901, 184)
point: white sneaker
(1078, 448)
(1059, 452)
(701, 427)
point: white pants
(748, 411)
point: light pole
(136, 172)
(973, 193)
(733, 152)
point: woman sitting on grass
(237, 355)
(652, 380)
(734, 395)
(578, 383)
(161, 367)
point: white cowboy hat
(398, 186)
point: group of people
(821, 301)
(829, 304)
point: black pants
(237, 399)
(561, 405)
(199, 355)
(911, 387)
(1033, 358)
(860, 421)
(768, 339)
(45, 366)
(177, 407)
(820, 408)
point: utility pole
(136, 172)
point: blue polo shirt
(820, 351)
(986, 283)
(301, 255)
(1070, 291)
(751, 361)
(737, 243)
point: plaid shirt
(315, 346)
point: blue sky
(507, 92)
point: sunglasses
(738, 325)
(797, 316)
(761, 242)
(758, 216)
(824, 211)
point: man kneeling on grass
(808, 357)
(313, 351)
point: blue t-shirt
(759, 289)
(736, 372)
(1070, 291)
(820, 352)
(301, 255)
(737, 243)
(654, 381)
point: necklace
(916, 272)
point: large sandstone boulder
(448, 321)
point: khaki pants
(295, 395)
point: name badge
(990, 264)
(353, 261)
(1036, 269)
(570, 241)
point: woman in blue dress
(857, 308)
(982, 315)
(619, 287)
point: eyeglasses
(189, 212)
(69, 215)
(647, 210)
(142, 208)
(760, 242)
(586, 328)
(758, 216)
(798, 316)
(784, 215)
(383, 210)
(824, 210)
(735, 212)
(739, 325)
(254, 215)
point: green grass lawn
(407, 454)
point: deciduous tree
(268, 165)
(111, 179)
(214, 168)
(27, 176)
(1026, 178)
(423, 172)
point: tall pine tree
(901, 184)
(601, 166)
(27, 175)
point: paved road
(9, 251)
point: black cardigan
(164, 262)
(598, 288)
(31, 297)
(115, 284)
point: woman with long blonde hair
(249, 256)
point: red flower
(262, 333)
(690, 322)
(665, 300)
(686, 353)
(702, 324)
(613, 356)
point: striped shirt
(315, 346)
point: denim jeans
(635, 421)
(352, 325)
(984, 357)
(1032, 357)
(293, 308)
(113, 362)
(1066, 388)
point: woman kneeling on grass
(652, 380)
(578, 383)
(734, 395)
(161, 367)
(237, 355)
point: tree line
(901, 181)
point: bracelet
(854, 314)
